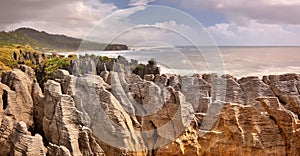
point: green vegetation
(44, 42)
(15, 39)
(27, 46)
(55, 42)
(51, 65)
(106, 59)
(7, 51)
(140, 67)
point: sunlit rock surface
(104, 111)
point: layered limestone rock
(17, 114)
(20, 102)
(162, 107)
(261, 118)
(24, 143)
(243, 130)
(118, 113)
(104, 115)
(6, 129)
(63, 125)
(162, 112)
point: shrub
(140, 67)
(52, 65)
(106, 59)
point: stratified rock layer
(119, 113)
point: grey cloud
(272, 14)
(71, 17)
(12, 11)
(265, 11)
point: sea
(236, 61)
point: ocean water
(236, 61)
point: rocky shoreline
(99, 107)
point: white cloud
(139, 2)
(255, 22)
(120, 30)
(70, 17)
(251, 22)
(255, 34)
(168, 32)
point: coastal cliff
(98, 107)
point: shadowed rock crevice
(5, 99)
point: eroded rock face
(122, 114)
(83, 66)
(287, 123)
(261, 118)
(105, 116)
(244, 125)
(243, 130)
(21, 104)
(63, 125)
(17, 109)
(24, 143)
(6, 129)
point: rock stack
(150, 68)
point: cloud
(120, 30)
(71, 17)
(255, 34)
(256, 22)
(139, 2)
(241, 11)
(168, 33)
(268, 22)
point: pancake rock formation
(115, 112)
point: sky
(229, 22)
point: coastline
(239, 62)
